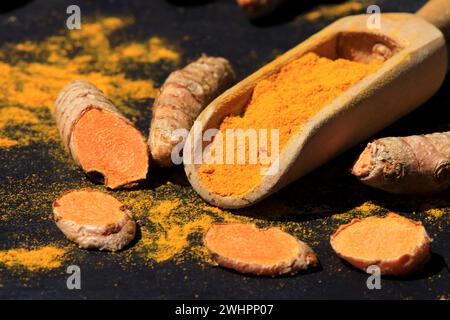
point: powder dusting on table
(333, 11)
(34, 72)
(47, 257)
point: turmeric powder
(332, 11)
(283, 101)
(29, 86)
(46, 257)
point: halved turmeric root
(416, 164)
(397, 245)
(180, 100)
(94, 219)
(100, 139)
(247, 249)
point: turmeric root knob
(102, 141)
(93, 219)
(180, 100)
(397, 245)
(416, 164)
(259, 8)
(247, 249)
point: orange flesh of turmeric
(245, 243)
(107, 144)
(362, 166)
(283, 101)
(89, 207)
(376, 238)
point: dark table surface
(217, 28)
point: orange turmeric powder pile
(283, 101)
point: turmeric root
(180, 100)
(93, 219)
(259, 8)
(100, 139)
(247, 249)
(416, 164)
(397, 245)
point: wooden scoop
(415, 66)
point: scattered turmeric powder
(171, 230)
(397, 245)
(172, 227)
(284, 101)
(366, 209)
(35, 71)
(47, 257)
(435, 213)
(182, 97)
(414, 164)
(247, 249)
(14, 116)
(333, 11)
(99, 138)
(153, 50)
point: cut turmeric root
(397, 245)
(416, 164)
(94, 219)
(247, 249)
(259, 8)
(101, 140)
(182, 97)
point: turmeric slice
(397, 245)
(247, 249)
(180, 100)
(100, 139)
(94, 220)
(417, 164)
(259, 8)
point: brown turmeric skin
(100, 139)
(417, 164)
(283, 101)
(180, 100)
(259, 8)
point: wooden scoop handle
(437, 12)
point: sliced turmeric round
(247, 249)
(100, 139)
(94, 220)
(397, 245)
